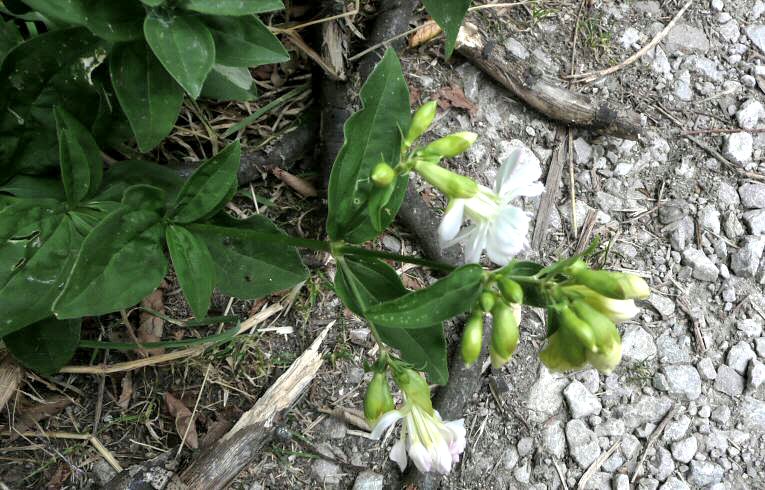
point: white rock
(749, 327)
(684, 450)
(674, 483)
(682, 86)
(516, 48)
(739, 356)
(750, 114)
(637, 344)
(554, 439)
(703, 268)
(755, 375)
(676, 429)
(729, 381)
(629, 38)
(582, 442)
(746, 260)
(546, 395)
(757, 34)
(683, 380)
(580, 401)
(738, 147)
(755, 221)
(582, 151)
(705, 473)
(760, 346)
(707, 369)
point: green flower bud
(383, 174)
(421, 121)
(608, 344)
(504, 334)
(563, 352)
(578, 266)
(487, 300)
(414, 387)
(451, 184)
(451, 145)
(511, 290)
(615, 309)
(472, 339)
(378, 399)
(616, 285)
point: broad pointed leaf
(148, 95)
(449, 15)
(230, 83)
(194, 267)
(45, 346)
(232, 7)
(9, 37)
(244, 41)
(81, 163)
(184, 46)
(110, 20)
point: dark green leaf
(34, 270)
(244, 41)
(34, 187)
(361, 283)
(81, 163)
(248, 268)
(229, 83)
(45, 346)
(147, 93)
(110, 20)
(185, 48)
(449, 15)
(144, 196)
(521, 268)
(194, 267)
(232, 7)
(119, 263)
(122, 175)
(9, 37)
(384, 202)
(371, 135)
(153, 3)
(209, 187)
(445, 299)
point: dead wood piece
(552, 186)
(217, 466)
(530, 84)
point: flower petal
(398, 453)
(519, 175)
(441, 457)
(452, 220)
(508, 235)
(475, 243)
(388, 419)
(421, 457)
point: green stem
(360, 301)
(364, 252)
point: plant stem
(364, 252)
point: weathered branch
(529, 83)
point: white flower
(495, 225)
(433, 445)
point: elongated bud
(504, 334)
(421, 121)
(414, 387)
(451, 184)
(451, 145)
(578, 266)
(487, 300)
(378, 399)
(577, 326)
(608, 345)
(472, 339)
(383, 174)
(616, 285)
(511, 290)
(563, 352)
(615, 309)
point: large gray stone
(752, 195)
(664, 465)
(554, 439)
(756, 33)
(738, 147)
(684, 38)
(676, 429)
(368, 480)
(739, 356)
(326, 472)
(705, 473)
(703, 268)
(759, 345)
(674, 483)
(755, 374)
(581, 402)
(752, 414)
(582, 443)
(645, 409)
(749, 114)
(684, 450)
(746, 260)
(755, 221)
(683, 380)
(729, 381)
(546, 395)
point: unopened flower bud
(487, 300)
(451, 145)
(472, 339)
(615, 309)
(504, 334)
(608, 345)
(421, 121)
(511, 290)
(378, 399)
(383, 174)
(577, 326)
(451, 184)
(616, 285)
(414, 387)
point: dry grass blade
(97, 445)
(595, 466)
(185, 425)
(10, 377)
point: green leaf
(247, 268)
(153, 3)
(147, 93)
(119, 263)
(209, 187)
(122, 175)
(45, 346)
(449, 15)
(244, 41)
(194, 267)
(448, 297)
(81, 163)
(232, 7)
(371, 135)
(9, 37)
(34, 187)
(50, 69)
(144, 196)
(362, 283)
(112, 20)
(34, 269)
(230, 83)
(185, 48)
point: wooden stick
(552, 185)
(594, 75)
(595, 466)
(102, 450)
(528, 83)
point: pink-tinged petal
(420, 457)
(398, 453)
(442, 457)
(520, 169)
(452, 220)
(388, 419)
